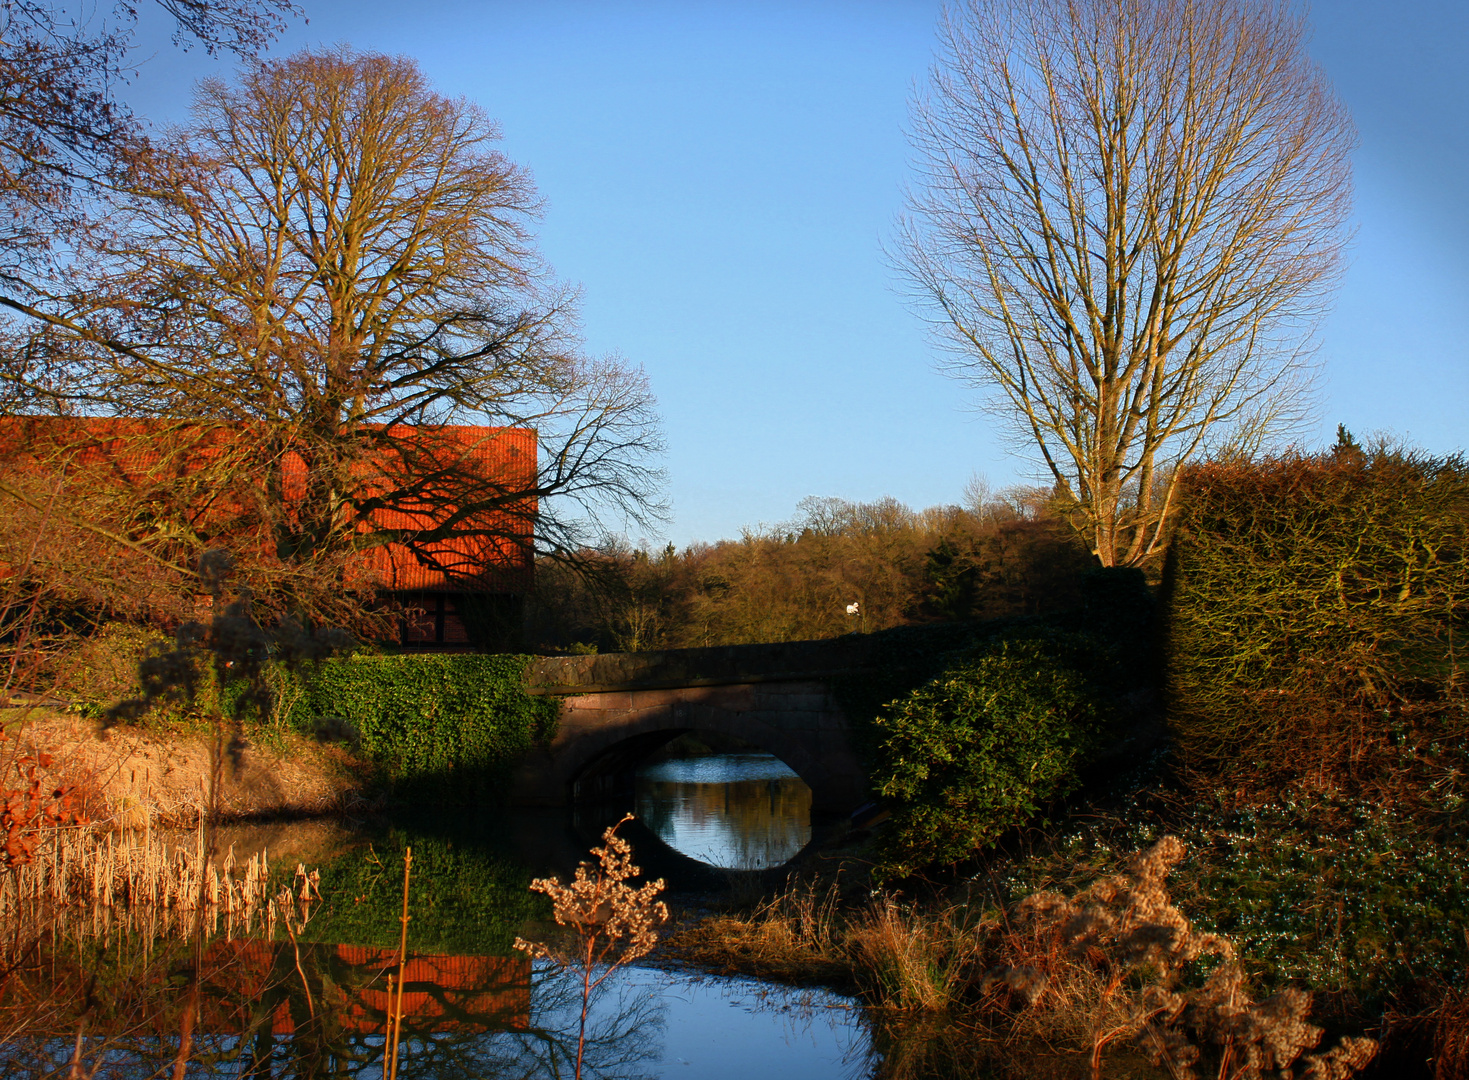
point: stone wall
(701, 667)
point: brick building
(456, 593)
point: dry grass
(795, 937)
(1111, 962)
(898, 956)
(907, 959)
(107, 880)
(1427, 1029)
(148, 778)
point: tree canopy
(65, 135)
(337, 261)
(1128, 216)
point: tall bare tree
(64, 131)
(334, 261)
(1128, 217)
(66, 138)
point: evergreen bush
(982, 748)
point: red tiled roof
(144, 454)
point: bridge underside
(604, 734)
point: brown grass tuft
(908, 959)
(794, 937)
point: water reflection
(739, 811)
(272, 1011)
(108, 994)
(738, 1028)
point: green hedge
(435, 722)
(1003, 731)
(1315, 606)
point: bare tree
(333, 262)
(63, 130)
(1128, 218)
(66, 136)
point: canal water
(734, 811)
(313, 1000)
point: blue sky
(719, 178)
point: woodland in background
(1006, 553)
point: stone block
(737, 698)
(650, 699)
(796, 702)
(615, 699)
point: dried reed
(141, 872)
(1112, 959)
(796, 935)
(1115, 963)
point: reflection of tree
(117, 979)
(461, 1043)
(890, 1044)
(938, 1047)
(624, 1031)
(468, 898)
(483, 1017)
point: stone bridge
(619, 707)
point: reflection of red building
(423, 476)
(441, 993)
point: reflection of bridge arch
(605, 731)
(657, 859)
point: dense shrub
(1316, 607)
(987, 744)
(455, 720)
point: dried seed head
(620, 921)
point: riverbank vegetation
(335, 732)
(1111, 962)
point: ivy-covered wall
(439, 723)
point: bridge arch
(605, 731)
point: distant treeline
(998, 555)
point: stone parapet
(681, 668)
